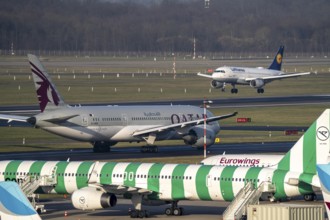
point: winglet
(48, 95)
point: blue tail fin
(277, 62)
(13, 203)
(323, 171)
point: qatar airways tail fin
(48, 96)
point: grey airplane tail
(48, 96)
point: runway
(164, 151)
(59, 207)
(217, 103)
(192, 210)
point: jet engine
(91, 198)
(217, 85)
(257, 83)
(195, 136)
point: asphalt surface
(164, 151)
(217, 103)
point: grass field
(95, 80)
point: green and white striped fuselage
(168, 182)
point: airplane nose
(32, 120)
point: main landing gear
(149, 149)
(234, 90)
(260, 90)
(137, 203)
(101, 146)
(174, 209)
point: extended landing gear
(149, 149)
(260, 90)
(234, 90)
(310, 197)
(174, 209)
(137, 203)
(139, 214)
(101, 146)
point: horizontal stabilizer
(11, 118)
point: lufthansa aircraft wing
(205, 75)
(181, 125)
(277, 76)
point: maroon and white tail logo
(45, 90)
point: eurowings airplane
(104, 126)
(249, 160)
(13, 203)
(95, 185)
(255, 77)
(244, 160)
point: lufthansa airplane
(96, 185)
(255, 77)
(104, 126)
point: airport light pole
(205, 102)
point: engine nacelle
(195, 136)
(217, 85)
(257, 83)
(91, 198)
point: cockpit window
(220, 71)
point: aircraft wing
(60, 119)
(269, 78)
(14, 118)
(181, 125)
(121, 189)
(205, 75)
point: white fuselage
(118, 123)
(238, 75)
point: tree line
(168, 25)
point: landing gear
(101, 146)
(139, 214)
(260, 90)
(310, 197)
(174, 209)
(149, 149)
(234, 90)
(137, 203)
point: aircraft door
(84, 120)
(209, 180)
(124, 119)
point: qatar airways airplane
(255, 77)
(104, 126)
